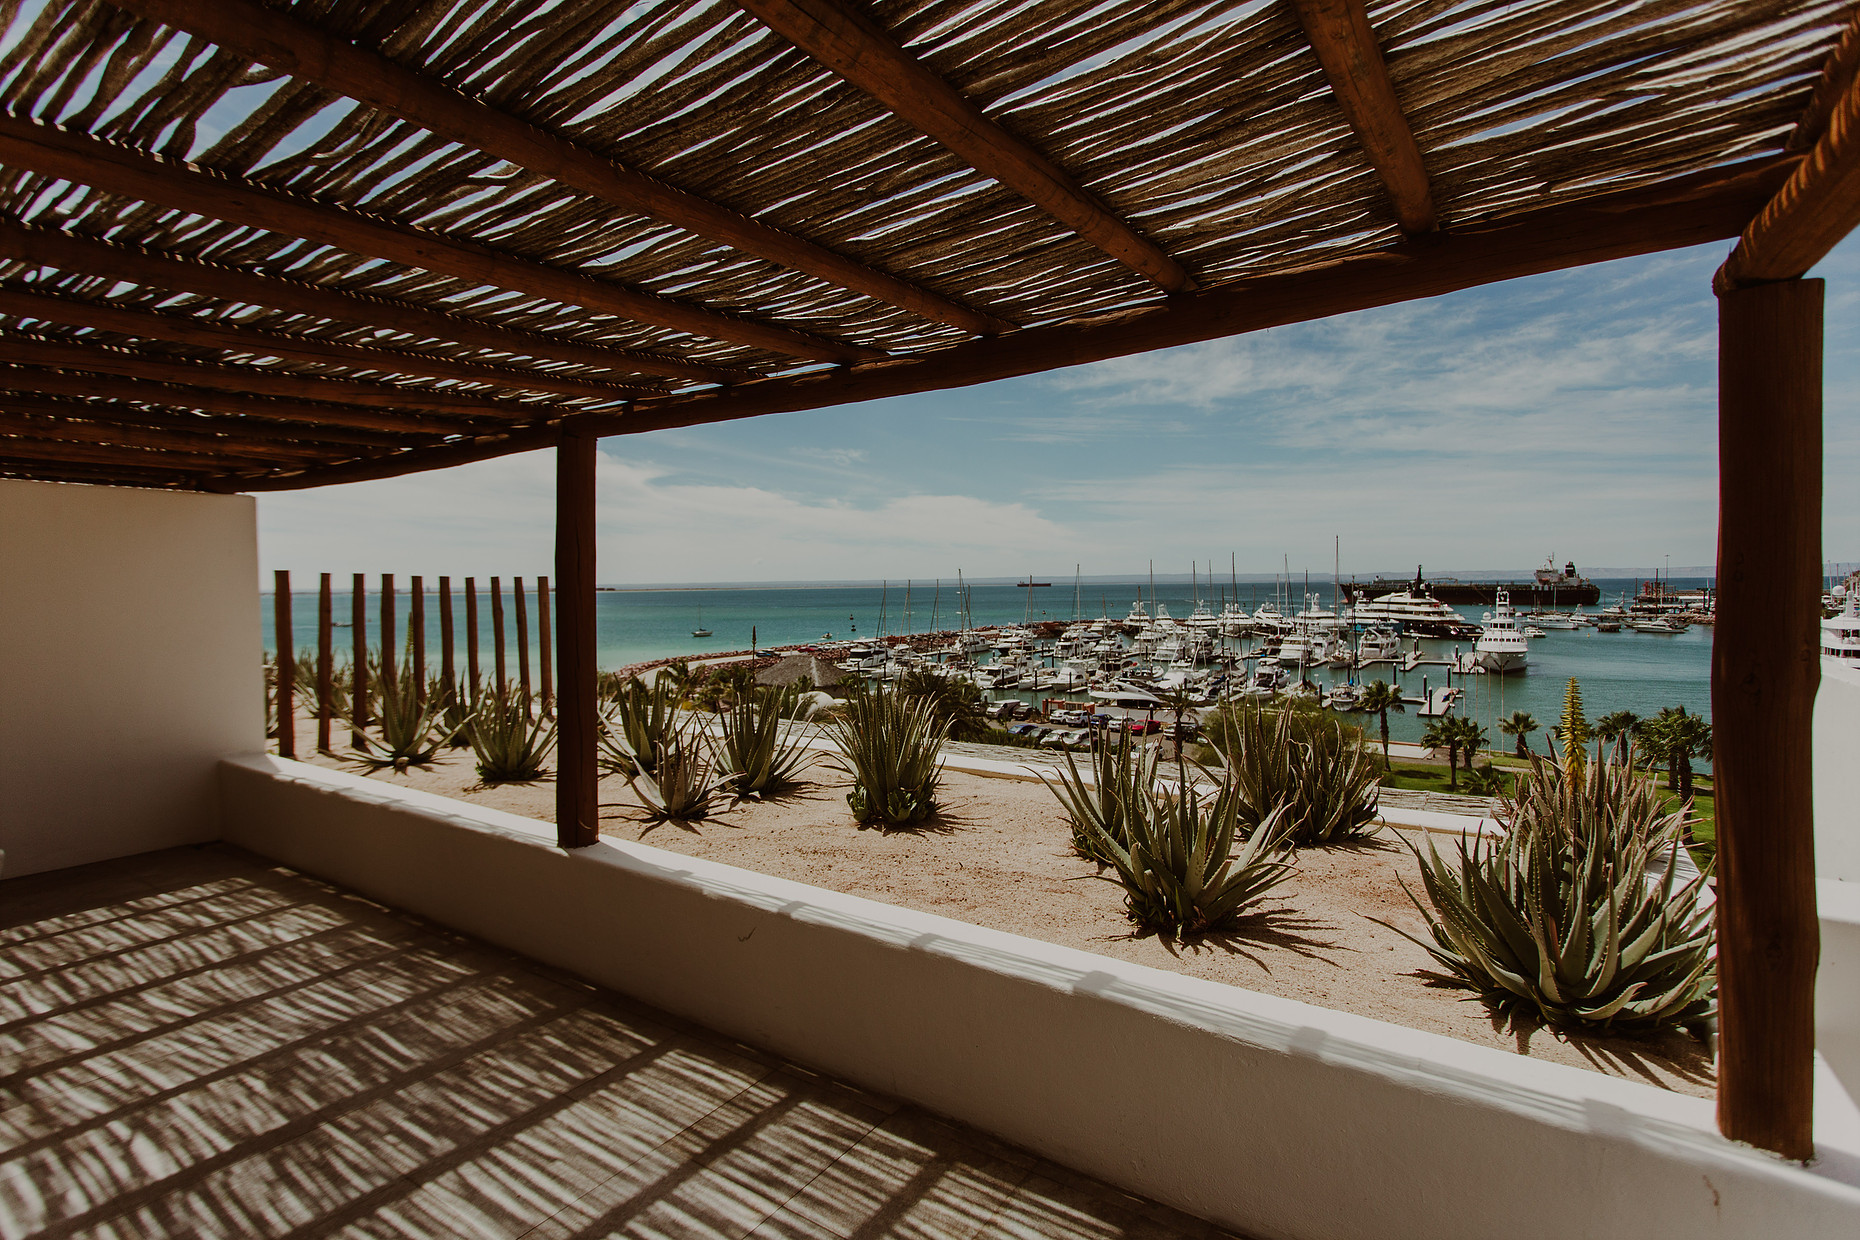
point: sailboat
(700, 630)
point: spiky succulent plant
(684, 784)
(1576, 911)
(1316, 768)
(509, 743)
(1121, 773)
(643, 718)
(763, 749)
(1185, 867)
(892, 747)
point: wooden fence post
(287, 667)
(358, 674)
(1766, 665)
(389, 683)
(523, 638)
(448, 668)
(542, 646)
(577, 806)
(497, 631)
(471, 632)
(416, 626)
(325, 664)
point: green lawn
(1427, 779)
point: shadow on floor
(195, 1043)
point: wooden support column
(358, 673)
(388, 633)
(448, 666)
(325, 664)
(1765, 668)
(521, 599)
(497, 631)
(416, 628)
(577, 775)
(471, 633)
(287, 668)
(546, 672)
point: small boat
(1607, 626)
(700, 630)
(1531, 630)
(1657, 624)
(1345, 697)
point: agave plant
(412, 727)
(763, 746)
(509, 744)
(1179, 866)
(643, 718)
(1563, 914)
(1320, 771)
(1121, 775)
(892, 747)
(685, 783)
(458, 702)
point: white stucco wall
(1270, 1116)
(1837, 772)
(129, 666)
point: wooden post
(523, 638)
(325, 664)
(416, 628)
(542, 646)
(358, 675)
(471, 632)
(287, 668)
(577, 821)
(497, 630)
(388, 682)
(448, 667)
(1765, 668)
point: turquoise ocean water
(1618, 671)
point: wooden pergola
(250, 246)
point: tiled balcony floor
(194, 1044)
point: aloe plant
(509, 745)
(1560, 916)
(643, 717)
(1121, 774)
(1320, 771)
(763, 749)
(892, 747)
(685, 783)
(1185, 866)
(412, 727)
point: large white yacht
(1840, 634)
(1502, 647)
(1417, 615)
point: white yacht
(1840, 635)
(1502, 647)
(1378, 642)
(1417, 615)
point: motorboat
(1840, 633)
(1531, 630)
(1416, 614)
(1663, 625)
(1502, 647)
(1378, 642)
(1345, 698)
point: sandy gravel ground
(998, 856)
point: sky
(1568, 415)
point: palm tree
(1676, 738)
(1520, 725)
(1379, 698)
(1616, 728)
(1445, 734)
(1473, 738)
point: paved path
(195, 1044)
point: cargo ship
(1548, 587)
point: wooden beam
(1338, 31)
(115, 169)
(40, 427)
(213, 334)
(358, 661)
(325, 665)
(577, 777)
(1766, 665)
(110, 260)
(307, 442)
(259, 381)
(74, 383)
(1686, 211)
(1812, 212)
(105, 454)
(844, 39)
(310, 53)
(1837, 74)
(98, 475)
